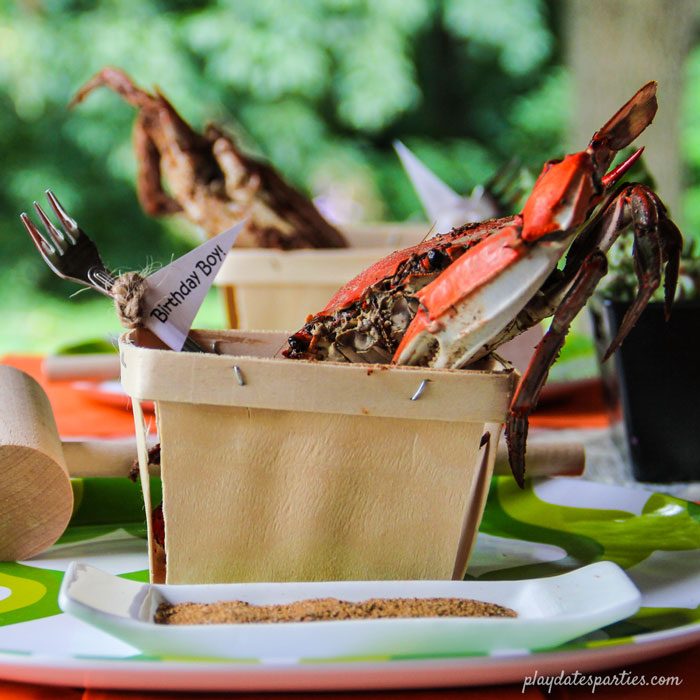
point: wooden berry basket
(275, 289)
(282, 470)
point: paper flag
(175, 292)
(442, 205)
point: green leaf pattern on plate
(589, 534)
(33, 593)
(585, 535)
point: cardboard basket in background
(271, 289)
(292, 470)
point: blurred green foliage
(690, 144)
(319, 87)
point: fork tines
(69, 224)
(66, 249)
(58, 240)
(42, 245)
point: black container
(652, 387)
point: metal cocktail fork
(72, 255)
(69, 252)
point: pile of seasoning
(317, 609)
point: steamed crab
(212, 182)
(454, 298)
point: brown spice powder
(325, 609)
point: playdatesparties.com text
(577, 679)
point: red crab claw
(567, 191)
(624, 126)
(614, 176)
(466, 306)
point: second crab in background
(210, 179)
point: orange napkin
(76, 414)
(581, 406)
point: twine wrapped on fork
(128, 293)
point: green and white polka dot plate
(553, 526)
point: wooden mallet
(36, 498)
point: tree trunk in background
(614, 47)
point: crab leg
(671, 248)
(149, 188)
(657, 241)
(657, 248)
(546, 301)
(528, 391)
(157, 127)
